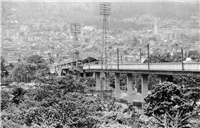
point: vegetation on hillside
(60, 102)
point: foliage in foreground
(63, 104)
(172, 105)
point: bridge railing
(175, 66)
(192, 66)
(166, 66)
(144, 66)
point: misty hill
(88, 13)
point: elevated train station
(75, 66)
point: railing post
(118, 59)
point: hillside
(88, 13)
(39, 28)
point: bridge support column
(144, 83)
(161, 78)
(129, 87)
(84, 74)
(107, 85)
(59, 71)
(117, 86)
(98, 80)
(135, 86)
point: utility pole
(105, 11)
(75, 30)
(148, 56)
(121, 59)
(118, 59)
(182, 58)
(140, 55)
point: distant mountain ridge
(80, 11)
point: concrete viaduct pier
(160, 69)
(117, 91)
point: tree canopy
(36, 59)
(4, 71)
(34, 66)
(169, 103)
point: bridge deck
(155, 68)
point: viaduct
(145, 69)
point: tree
(41, 69)
(158, 57)
(171, 105)
(4, 72)
(152, 80)
(17, 95)
(22, 70)
(61, 102)
(36, 59)
(5, 97)
(194, 55)
(177, 57)
(2, 61)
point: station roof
(89, 59)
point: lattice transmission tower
(105, 11)
(75, 29)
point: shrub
(5, 98)
(171, 105)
